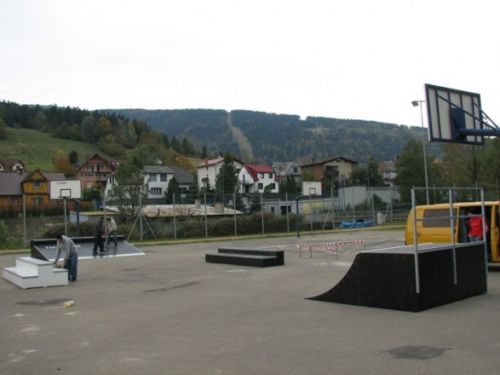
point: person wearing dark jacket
(98, 236)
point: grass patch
(35, 149)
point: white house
(257, 179)
(156, 178)
(208, 170)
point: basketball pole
(420, 104)
(65, 220)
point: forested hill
(268, 137)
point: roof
(208, 163)
(338, 158)
(96, 155)
(182, 176)
(157, 169)
(212, 162)
(9, 163)
(253, 169)
(10, 183)
(50, 176)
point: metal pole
(484, 233)
(310, 213)
(24, 219)
(452, 234)
(234, 211)
(298, 216)
(415, 242)
(262, 210)
(206, 217)
(420, 102)
(287, 216)
(65, 219)
(78, 217)
(141, 228)
(174, 221)
(333, 208)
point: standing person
(98, 236)
(67, 246)
(111, 229)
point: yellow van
(433, 224)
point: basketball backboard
(68, 189)
(311, 188)
(450, 111)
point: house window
(153, 178)
(260, 186)
(155, 191)
(13, 201)
(37, 201)
(270, 175)
(295, 170)
(163, 177)
(37, 185)
(261, 175)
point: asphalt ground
(169, 312)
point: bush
(3, 234)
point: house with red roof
(257, 178)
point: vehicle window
(437, 218)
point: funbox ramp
(386, 278)
(46, 249)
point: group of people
(105, 231)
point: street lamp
(420, 103)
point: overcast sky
(358, 59)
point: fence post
(262, 210)
(287, 216)
(24, 219)
(234, 212)
(206, 223)
(174, 221)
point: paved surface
(169, 312)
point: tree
(411, 172)
(3, 129)
(130, 187)
(289, 185)
(172, 188)
(62, 164)
(73, 157)
(227, 178)
(89, 129)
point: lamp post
(420, 103)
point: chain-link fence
(210, 215)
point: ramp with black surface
(247, 257)
(46, 249)
(386, 278)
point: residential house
(387, 169)
(284, 169)
(184, 178)
(10, 189)
(208, 170)
(34, 185)
(156, 178)
(94, 172)
(257, 178)
(333, 170)
(11, 165)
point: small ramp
(387, 278)
(46, 249)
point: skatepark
(168, 311)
